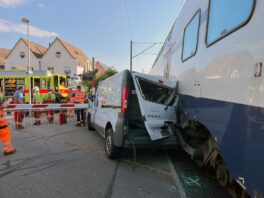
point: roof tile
(37, 49)
(4, 52)
(75, 52)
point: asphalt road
(65, 161)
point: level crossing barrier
(30, 109)
(44, 107)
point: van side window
(190, 37)
(225, 16)
(109, 94)
(100, 95)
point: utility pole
(27, 21)
(131, 55)
(93, 63)
(150, 45)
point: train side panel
(222, 87)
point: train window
(190, 38)
(226, 16)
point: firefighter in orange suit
(49, 98)
(19, 99)
(79, 97)
(70, 112)
(5, 135)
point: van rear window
(154, 92)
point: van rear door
(157, 99)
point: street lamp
(26, 21)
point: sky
(101, 28)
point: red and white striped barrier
(45, 107)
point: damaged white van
(130, 110)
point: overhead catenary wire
(128, 20)
(154, 54)
(167, 32)
(173, 21)
(144, 50)
(147, 43)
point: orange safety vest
(3, 120)
(79, 96)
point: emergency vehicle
(11, 80)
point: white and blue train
(215, 51)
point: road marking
(193, 181)
(176, 177)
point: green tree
(99, 77)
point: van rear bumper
(145, 142)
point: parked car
(132, 109)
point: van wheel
(89, 124)
(111, 151)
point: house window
(190, 38)
(58, 54)
(22, 54)
(236, 14)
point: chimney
(49, 44)
(93, 63)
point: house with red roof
(63, 58)
(18, 56)
(3, 54)
(60, 57)
(102, 68)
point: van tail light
(124, 99)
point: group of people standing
(49, 98)
(77, 96)
(19, 98)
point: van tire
(89, 124)
(111, 151)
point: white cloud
(12, 3)
(41, 6)
(8, 26)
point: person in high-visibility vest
(1, 94)
(49, 98)
(36, 100)
(19, 115)
(79, 97)
(5, 135)
(70, 112)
